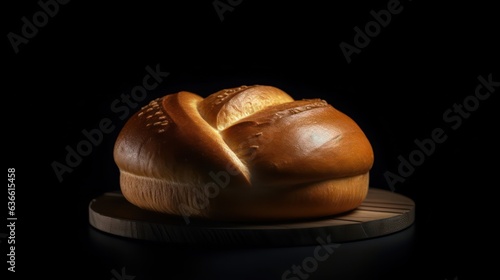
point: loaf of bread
(250, 153)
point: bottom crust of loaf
(221, 201)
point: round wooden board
(382, 213)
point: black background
(397, 88)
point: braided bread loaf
(241, 154)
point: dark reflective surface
(382, 257)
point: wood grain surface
(382, 213)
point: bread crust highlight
(241, 154)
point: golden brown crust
(299, 142)
(220, 202)
(246, 153)
(180, 148)
(227, 106)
